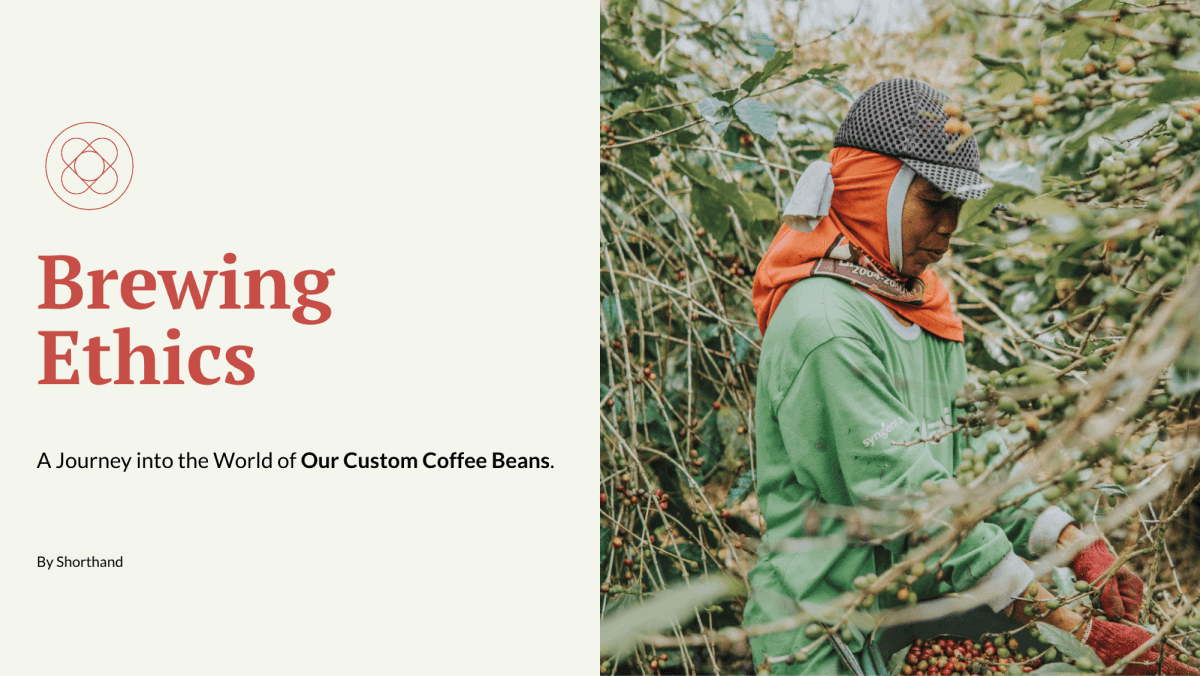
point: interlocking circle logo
(89, 166)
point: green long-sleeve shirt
(840, 381)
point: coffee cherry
(1125, 64)
(813, 631)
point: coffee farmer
(861, 350)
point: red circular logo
(89, 165)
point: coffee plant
(1073, 278)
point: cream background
(439, 156)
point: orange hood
(858, 210)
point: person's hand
(1121, 596)
(1112, 641)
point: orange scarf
(858, 210)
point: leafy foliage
(1077, 295)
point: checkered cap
(905, 119)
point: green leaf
(649, 412)
(726, 95)
(1076, 42)
(639, 79)
(1182, 381)
(712, 446)
(1066, 643)
(1006, 83)
(740, 489)
(741, 349)
(723, 191)
(822, 75)
(607, 81)
(1017, 173)
(733, 197)
(776, 63)
(652, 39)
(1058, 668)
(977, 211)
(997, 63)
(605, 543)
(761, 206)
(1059, 216)
(1064, 581)
(1111, 489)
(896, 661)
(710, 210)
(763, 45)
(748, 167)
(656, 121)
(619, 54)
(758, 116)
(695, 173)
(613, 316)
(1110, 120)
(621, 632)
(1175, 85)
(637, 159)
(711, 109)
(1184, 375)
(624, 109)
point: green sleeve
(841, 419)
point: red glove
(1121, 596)
(1112, 641)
